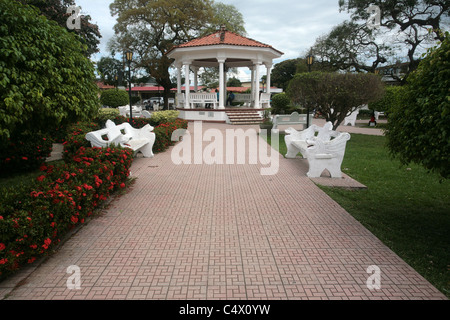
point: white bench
(139, 140)
(246, 98)
(296, 141)
(323, 147)
(328, 155)
(203, 98)
(377, 114)
(180, 100)
(293, 118)
(264, 100)
(351, 119)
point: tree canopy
(406, 29)
(56, 10)
(151, 28)
(334, 95)
(45, 79)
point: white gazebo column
(195, 69)
(221, 84)
(179, 66)
(187, 85)
(257, 84)
(269, 71)
(252, 82)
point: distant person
(230, 98)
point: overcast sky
(290, 26)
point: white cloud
(287, 25)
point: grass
(405, 207)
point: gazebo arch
(222, 49)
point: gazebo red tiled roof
(223, 37)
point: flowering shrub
(163, 133)
(35, 218)
(24, 152)
(76, 138)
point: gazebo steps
(244, 117)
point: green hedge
(24, 152)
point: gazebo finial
(223, 28)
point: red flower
(122, 185)
(24, 158)
(74, 219)
(2, 246)
(40, 178)
(3, 261)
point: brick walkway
(221, 231)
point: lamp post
(129, 57)
(309, 62)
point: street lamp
(309, 62)
(129, 57)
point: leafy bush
(165, 116)
(391, 98)
(105, 114)
(163, 133)
(280, 103)
(334, 95)
(114, 98)
(24, 152)
(45, 79)
(35, 218)
(76, 138)
(418, 129)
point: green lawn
(405, 207)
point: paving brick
(222, 231)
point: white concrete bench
(296, 141)
(203, 98)
(351, 119)
(328, 155)
(264, 100)
(291, 119)
(180, 100)
(139, 140)
(246, 98)
(377, 114)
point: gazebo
(223, 49)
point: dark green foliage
(390, 99)
(45, 79)
(114, 98)
(334, 95)
(24, 152)
(280, 103)
(419, 127)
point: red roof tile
(223, 37)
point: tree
(284, 71)
(408, 24)
(234, 82)
(350, 47)
(418, 129)
(45, 79)
(56, 10)
(226, 15)
(153, 27)
(334, 95)
(108, 68)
